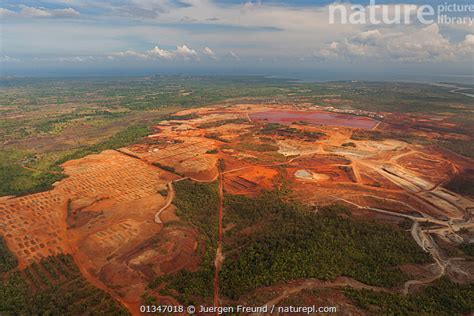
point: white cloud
(410, 45)
(371, 36)
(209, 52)
(32, 12)
(158, 52)
(258, 31)
(130, 53)
(234, 55)
(78, 59)
(183, 52)
(468, 40)
(68, 12)
(7, 13)
(466, 48)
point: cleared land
(236, 202)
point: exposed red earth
(110, 215)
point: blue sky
(285, 38)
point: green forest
(286, 241)
(197, 205)
(53, 286)
(7, 259)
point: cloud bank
(181, 52)
(220, 33)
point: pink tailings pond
(314, 117)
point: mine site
(236, 157)
(140, 220)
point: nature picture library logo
(373, 13)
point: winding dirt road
(422, 237)
(169, 200)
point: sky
(275, 38)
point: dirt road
(169, 200)
(292, 289)
(219, 258)
(423, 238)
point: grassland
(17, 179)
